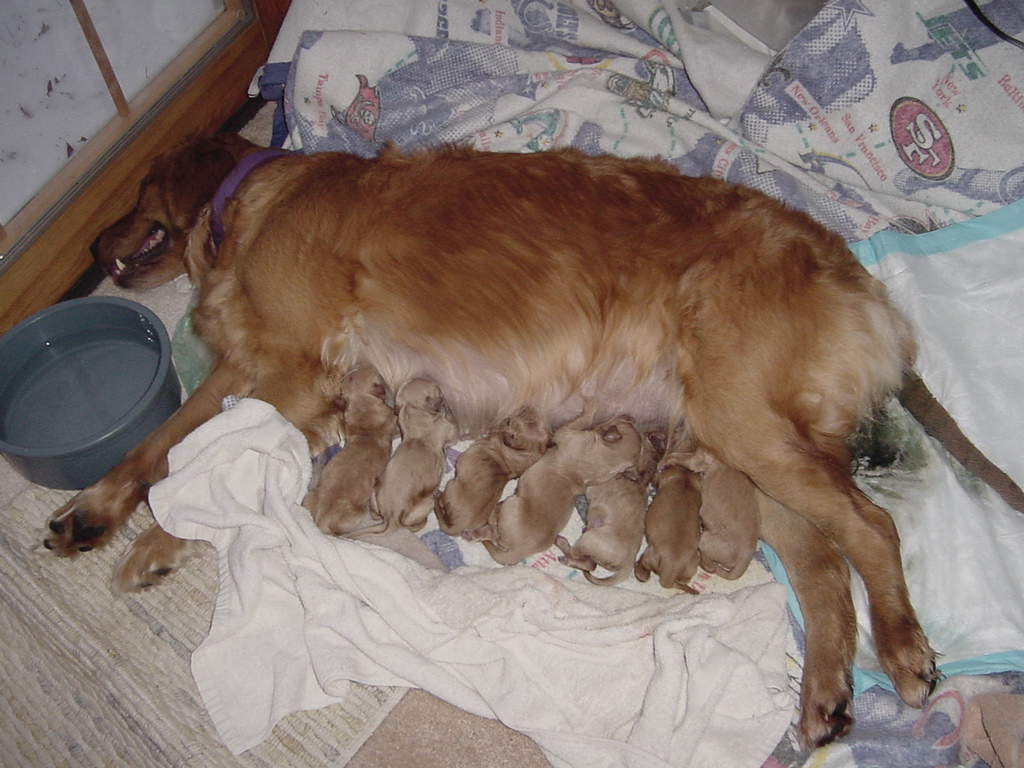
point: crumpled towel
(596, 676)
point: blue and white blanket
(875, 116)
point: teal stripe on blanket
(1007, 219)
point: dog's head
(526, 431)
(423, 394)
(146, 247)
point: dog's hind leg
(820, 577)
(305, 392)
(811, 476)
(90, 519)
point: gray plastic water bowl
(81, 384)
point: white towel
(597, 676)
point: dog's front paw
(90, 519)
(74, 530)
(153, 557)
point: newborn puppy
(615, 520)
(481, 473)
(729, 516)
(672, 524)
(405, 491)
(340, 499)
(528, 521)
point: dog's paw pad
(74, 531)
(136, 582)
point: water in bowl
(78, 386)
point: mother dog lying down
(543, 279)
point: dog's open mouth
(152, 248)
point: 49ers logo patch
(921, 139)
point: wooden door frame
(45, 247)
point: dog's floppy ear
(196, 170)
(200, 254)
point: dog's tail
(937, 422)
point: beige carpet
(94, 678)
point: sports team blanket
(876, 116)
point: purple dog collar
(230, 184)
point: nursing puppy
(528, 521)
(340, 500)
(404, 496)
(661, 297)
(486, 467)
(728, 516)
(614, 528)
(672, 524)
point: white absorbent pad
(962, 288)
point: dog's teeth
(119, 265)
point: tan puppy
(615, 520)
(672, 524)
(482, 472)
(341, 499)
(728, 516)
(405, 491)
(528, 521)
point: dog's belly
(481, 391)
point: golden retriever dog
(614, 527)
(529, 521)
(404, 497)
(547, 279)
(487, 466)
(340, 500)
